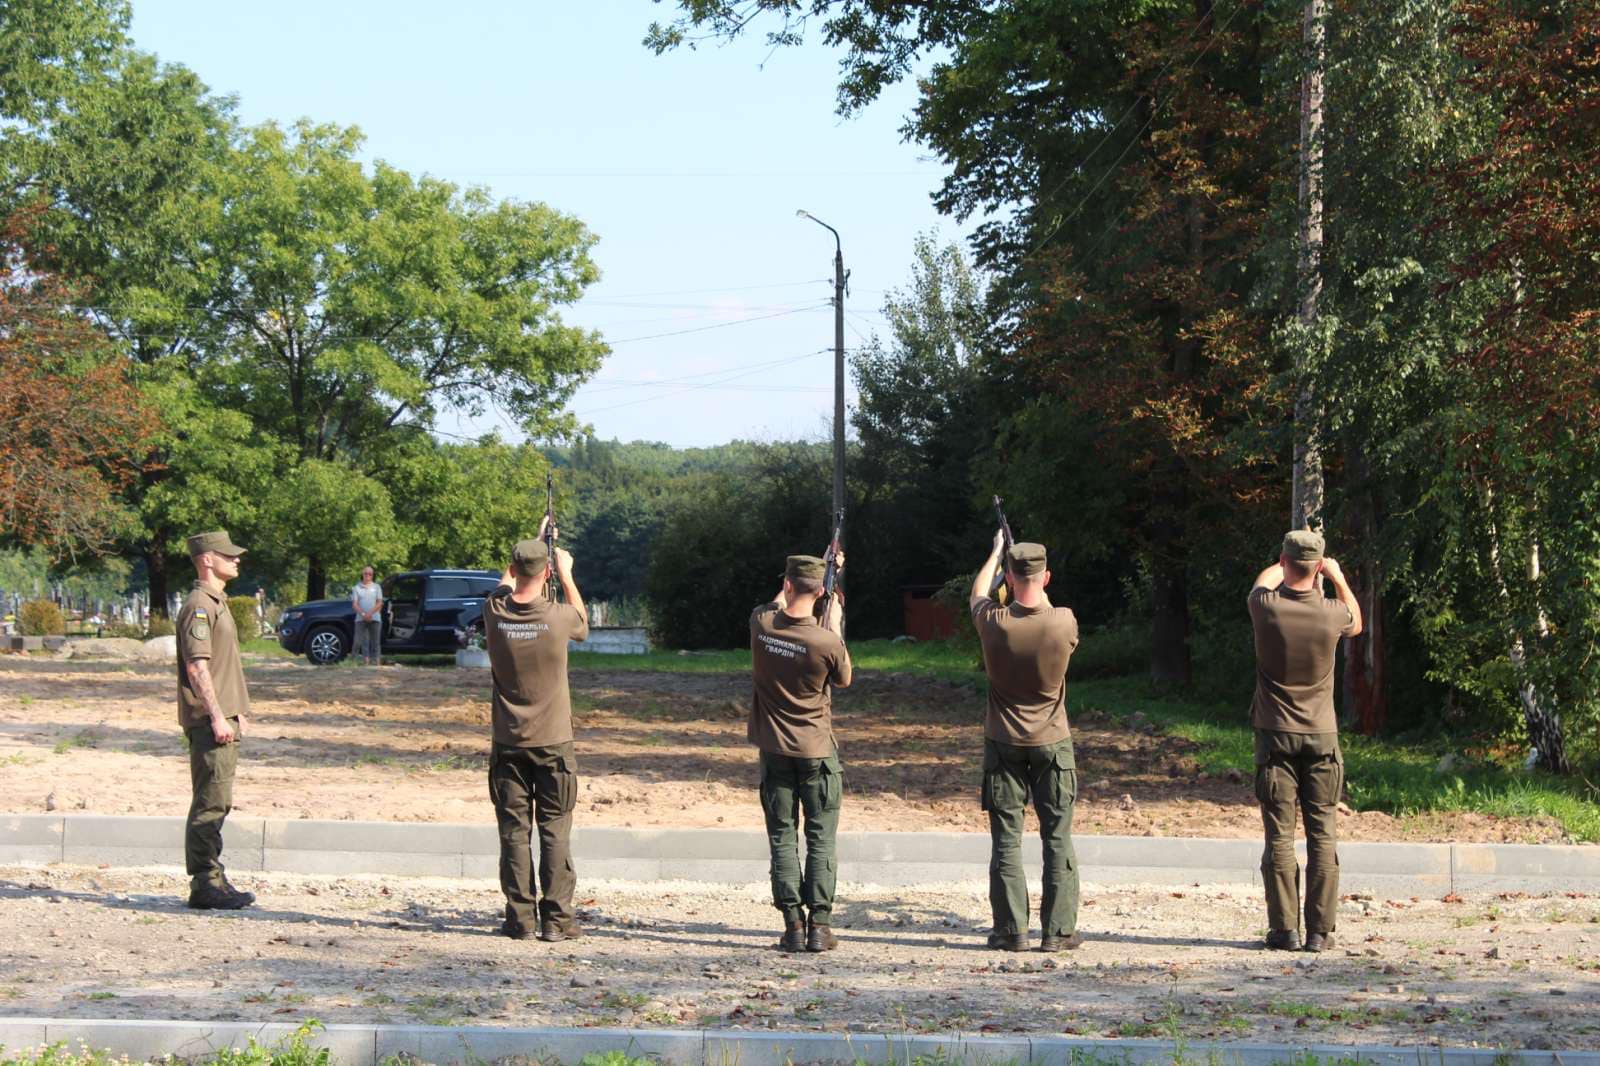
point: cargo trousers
(535, 788)
(1048, 774)
(211, 768)
(792, 786)
(1303, 771)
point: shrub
(41, 618)
(1112, 651)
(243, 609)
(122, 629)
(160, 626)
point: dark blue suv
(422, 610)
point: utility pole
(839, 277)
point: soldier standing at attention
(212, 705)
(1027, 747)
(794, 662)
(1298, 761)
(533, 778)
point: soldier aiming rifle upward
(548, 534)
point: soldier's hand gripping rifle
(997, 588)
(830, 575)
(551, 588)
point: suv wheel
(325, 646)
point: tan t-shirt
(206, 631)
(793, 661)
(1025, 653)
(1297, 634)
(527, 645)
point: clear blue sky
(689, 167)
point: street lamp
(838, 360)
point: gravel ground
(1491, 970)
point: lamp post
(838, 360)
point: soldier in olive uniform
(1027, 746)
(1298, 761)
(795, 662)
(212, 708)
(533, 775)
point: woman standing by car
(367, 599)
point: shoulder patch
(200, 612)
(200, 629)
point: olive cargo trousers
(1011, 774)
(789, 786)
(1304, 770)
(535, 787)
(211, 767)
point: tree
(73, 429)
(352, 305)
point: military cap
(1303, 546)
(1026, 559)
(530, 557)
(804, 567)
(215, 541)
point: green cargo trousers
(535, 787)
(1049, 774)
(211, 767)
(1304, 770)
(790, 785)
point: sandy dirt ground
(1492, 970)
(403, 743)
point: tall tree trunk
(155, 565)
(1365, 657)
(316, 579)
(1306, 497)
(1539, 711)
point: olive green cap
(530, 557)
(1026, 559)
(215, 541)
(807, 567)
(1303, 546)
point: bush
(122, 629)
(160, 626)
(41, 618)
(243, 609)
(1112, 651)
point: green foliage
(41, 618)
(243, 609)
(160, 626)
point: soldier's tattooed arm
(985, 579)
(199, 671)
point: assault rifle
(830, 576)
(997, 588)
(551, 587)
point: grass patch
(267, 646)
(85, 739)
(101, 995)
(1380, 775)
(938, 659)
(293, 1050)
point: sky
(689, 167)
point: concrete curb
(369, 1045)
(740, 855)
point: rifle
(830, 576)
(997, 589)
(550, 586)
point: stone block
(922, 847)
(150, 1041)
(1411, 860)
(481, 1044)
(18, 642)
(615, 869)
(715, 871)
(781, 1049)
(338, 863)
(46, 830)
(54, 643)
(429, 838)
(1171, 852)
(994, 1050)
(1528, 860)
(19, 1035)
(901, 874)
